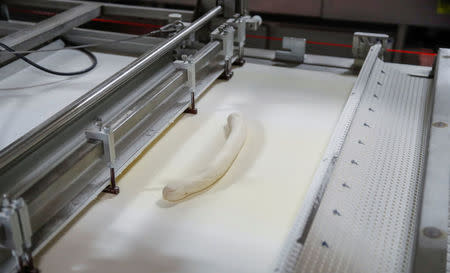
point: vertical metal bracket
(225, 33)
(363, 41)
(4, 12)
(239, 37)
(295, 50)
(187, 63)
(106, 136)
(16, 230)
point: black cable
(88, 53)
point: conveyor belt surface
(240, 224)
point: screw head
(440, 124)
(432, 232)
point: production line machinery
(378, 201)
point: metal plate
(367, 218)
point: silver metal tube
(108, 87)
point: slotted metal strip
(367, 218)
(289, 255)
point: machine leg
(112, 188)
(227, 73)
(26, 264)
(192, 109)
(240, 61)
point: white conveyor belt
(240, 224)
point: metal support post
(225, 33)
(16, 229)
(187, 63)
(106, 136)
(240, 25)
(4, 12)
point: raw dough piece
(180, 189)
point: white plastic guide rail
(369, 182)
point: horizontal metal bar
(106, 39)
(50, 28)
(109, 9)
(72, 112)
(53, 4)
(144, 12)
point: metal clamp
(16, 230)
(106, 136)
(225, 33)
(295, 50)
(187, 63)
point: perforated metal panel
(367, 218)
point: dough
(179, 189)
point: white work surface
(240, 224)
(31, 96)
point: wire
(88, 53)
(163, 29)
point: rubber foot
(193, 111)
(113, 190)
(239, 62)
(226, 76)
(28, 269)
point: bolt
(106, 129)
(98, 123)
(440, 124)
(5, 201)
(432, 232)
(336, 212)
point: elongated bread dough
(180, 189)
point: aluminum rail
(50, 28)
(108, 9)
(36, 136)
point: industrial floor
(239, 224)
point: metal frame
(432, 241)
(68, 158)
